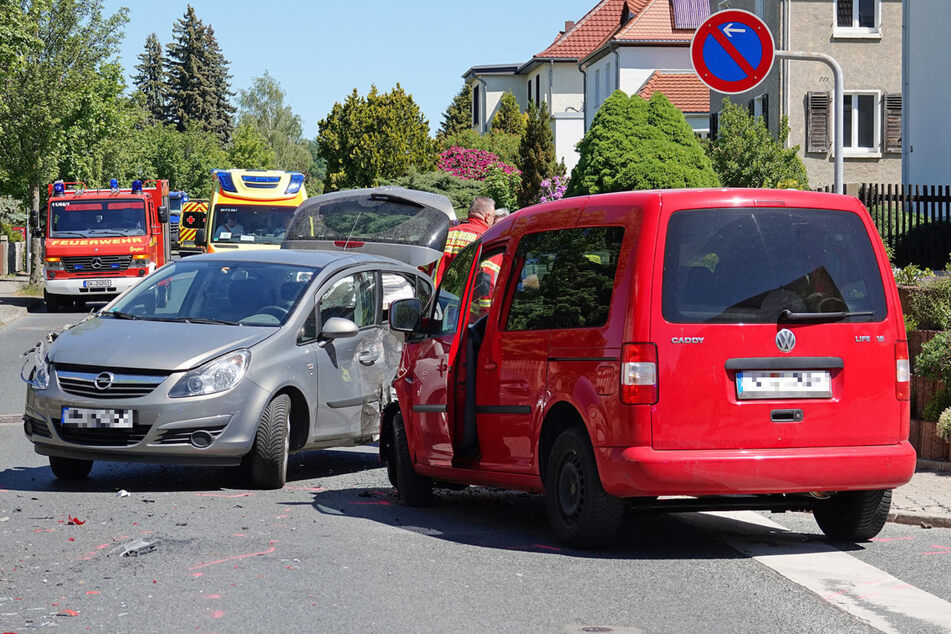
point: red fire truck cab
(99, 242)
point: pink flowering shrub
(471, 164)
(553, 189)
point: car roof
(426, 199)
(300, 257)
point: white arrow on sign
(729, 29)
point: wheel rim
(570, 487)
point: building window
(607, 81)
(597, 88)
(529, 90)
(475, 106)
(861, 132)
(759, 107)
(538, 89)
(858, 17)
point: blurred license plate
(752, 384)
(98, 418)
(97, 283)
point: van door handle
(367, 358)
(491, 365)
(786, 416)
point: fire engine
(99, 242)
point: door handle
(367, 358)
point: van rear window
(750, 265)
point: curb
(924, 520)
(933, 465)
(10, 316)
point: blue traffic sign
(732, 51)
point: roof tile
(685, 90)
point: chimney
(569, 24)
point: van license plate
(753, 384)
(98, 418)
(97, 283)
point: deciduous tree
(263, 108)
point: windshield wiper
(108, 233)
(120, 315)
(197, 320)
(77, 234)
(788, 315)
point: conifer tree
(509, 117)
(224, 111)
(536, 154)
(151, 78)
(458, 116)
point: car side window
(564, 278)
(451, 291)
(486, 281)
(352, 297)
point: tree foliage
(509, 118)
(262, 108)
(150, 78)
(746, 154)
(368, 139)
(502, 144)
(458, 115)
(459, 190)
(250, 149)
(635, 144)
(536, 154)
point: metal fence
(914, 220)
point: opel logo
(785, 340)
(96, 263)
(104, 381)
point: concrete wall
(568, 128)
(562, 86)
(927, 77)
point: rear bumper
(642, 471)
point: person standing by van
(481, 217)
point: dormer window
(626, 15)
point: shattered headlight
(36, 369)
(215, 376)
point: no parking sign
(732, 51)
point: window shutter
(844, 13)
(475, 106)
(893, 123)
(766, 110)
(714, 125)
(817, 122)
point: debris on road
(122, 493)
(137, 547)
(75, 521)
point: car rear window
(750, 265)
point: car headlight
(215, 376)
(36, 370)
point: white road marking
(862, 590)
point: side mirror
(339, 328)
(163, 214)
(405, 315)
(200, 238)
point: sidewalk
(925, 501)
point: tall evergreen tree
(458, 116)
(536, 154)
(151, 78)
(198, 78)
(509, 117)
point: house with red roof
(637, 46)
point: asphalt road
(333, 551)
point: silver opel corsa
(243, 357)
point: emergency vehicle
(250, 209)
(99, 242)
(194, 217)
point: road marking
(860, 589)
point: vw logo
(104, 381)
(96, 263)
(785, 340)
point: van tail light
(902, 371)
(639, 373)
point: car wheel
(70, 468)
(268, 458)
(581, 513)
(854, 516)
(412, 489)
(52, 302)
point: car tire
(70, 468)
(854, 516)
(412, 489)
(52, 302)
(581, 513)
(268, 457)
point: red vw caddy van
(744, 348)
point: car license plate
(97, 283)
(98, 418)
(752, 384)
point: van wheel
(854, 516)
(70, 468)
(52, 302)
(268, 457)
(412, 489)
(581, 514)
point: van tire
(581, 513)
(52, 302)
(854, 516)
(268, 457)
(412, 489)
(70, 468)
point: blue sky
(319, 51)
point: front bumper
(642, 471)
(74, 286)
(163, 427)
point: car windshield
(217, 291)
(89, 218)
(259, 224)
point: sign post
(733, 52)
